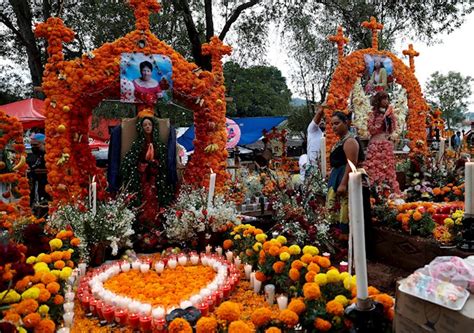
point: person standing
(37, 170)
(314, 135)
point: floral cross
(340, 40)
(375, 27)
(142, 10)
(216, 49)
(56, 33)
(411, 53)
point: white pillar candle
(441, 149)
(136, 265)
(194, 259)
(158, 313)
(68, 306)
(94, 196)
(252, 279)
(270, 293)
(212, 186)
(172, 263)
(257, 285)
(82, 268)
(323, 157)
(208, 249)
(356, 217)
(219, 250)
(182, 260)
(248, 271)
(159, 266)
(144, 268)
(282, 301)
(68, 319)
(145, 309)
(125, 267)
(237, 262)
(63, 330)
(229, 255)
(469, 188)
(185, 304)
(69, 296)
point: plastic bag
(451, 269)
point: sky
(454, 53)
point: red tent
(29, 112)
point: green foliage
(423, 227)
(299, 119)
(256, 91)
(450, 93)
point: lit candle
(185, 304)
(159, 266)
(121, 317)
(68, 319)
(282, 301)
(94, 196)
(323, 157)
(144, 268)
(270, 293)
(125, 266)
(194, 259)
(229, 255)
(134, 320)
(219, 250)
(252, 279)
(237, 262)
(469, 188)
(208, 249)
(158, 313)
(204, 308)
(172, 263)
(257, 285)
(82, 268)
(68, 306)
(248, 270)
(145, 323)
(182, 260)
(136, 265)
(356, 218)
(212, 185)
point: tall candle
(257, 285)
(323, 157)
(212, 186)
(248, 270)
(237, 262)
(270, 293)
(356, 218)
(94, 196)
(441, 149)
(219, 250)
(82, 268)
(469, 188)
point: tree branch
(235, 15)
(209, 20)
(5, 20)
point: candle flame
(212, 171)
(353, 167)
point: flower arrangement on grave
(33, 288)
(449, 231)
(191, 218)
(111, 226)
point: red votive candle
(121, 317)
(159, 325)
(100, 306)
(85, 302)
(145, 323)
(216, 295)
(93, 306)
(109, 313)
(134, 320)
(210, 302)
(226, 290)
(204, 308)
(343, 266)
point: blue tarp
(250, 128)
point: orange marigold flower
(309, 277)
(46, 259)
(297, 264)
(324, 262)
(274, 250)
(58, 299)
(313, 267)
(417, 216)
(66, 255)
(69, 234)
(227, 244)
(288, 317)
(278, 267)
(273, 329)
(206, 325)
(48, 278)
(75, 241)
(260, 276)
(12, 316)
(228, 311)
(335, 308)
(386, 300)
(389, 313)
(322, 325)
(307, 258)
(297, 306)
(294, 274)
(311, 290)
(31, 320)
(180, 325)
(45, 326)
(61, 234)
(59, 264)
(56, 255)
(26, 306)
(239, 327)
(22, 284)
(261, 316)
(44, 295)
(373, 291)
(53, 287)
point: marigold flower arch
(74, 88)
(352, 67)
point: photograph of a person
(145, 79)
(379, 71)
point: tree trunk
(24, 20)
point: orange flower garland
(167, 289)
(12, 132)
(74, 88)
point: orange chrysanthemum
(31, 320)
(26, 306)
(278, 267)
(180, 325)
(297, 264)
(47, 278)
(289, 318)
(239, 327)
(206, 325)
(322, 325)
(53, 287)
(260, 276)
(324, 262)
(58, 300)
(45, 326)
(261, 317)
(311, 291)
(228, 311)
(297, 306)
(335, 308)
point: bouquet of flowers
(112, 225)
(190, 217)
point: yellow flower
(281, 239)
(41, 267)
(448, 222)
(313, 250)
(321, 279)
(284, 256)
(65, 273)
(458, 221)
(22, 330)
(40, 257)
(12, 297)
(343, 275)
(31, 260)
(261, 238)
(43, 309)
(332, 275)
(341, 299)
(257, 246)
(56, 244)
(56, 272)
(237, 237)
(32, 292)
(294, 249)
(349, 282)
